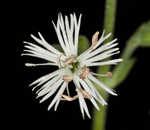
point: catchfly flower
(71, 66)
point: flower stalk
(99, 121)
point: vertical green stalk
(110, 15)
(109, 22)
(100, 116)
(109, 25)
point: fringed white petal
(86, 88)
(103, 56)
(91, 52)
(44, 78)
(81, 100)
(41, 55)
(110, 62)
(77, 29)
(101, 40)
(57, 103)
(42, 64)
(34, 47)
(81, 103)
(97, 96)
(64, 35)
(100, 84)
(51, 91)
(99, 50)
(80, 96)
(58, 95)
(49, 85)
(43, 43)
(84, 104)
(31, 53)
(70, 37)
(57, 29)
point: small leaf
(141, 38)
(83, 44)
(58, 47)
(120, 73)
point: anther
(109, 74)
(69, 60)
(67, 78)
(85, 72)
(94, 39)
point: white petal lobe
(58, 95)
(91, 77)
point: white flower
(71, 67)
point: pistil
(69, 60)
(108, 74)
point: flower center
(72, 63)
(75, 66)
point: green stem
(109, 25)
(110, 15)
(109, 22)
(128, 51)
(100, 117)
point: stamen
(108, 75)
(59, 62)
(68, 90)
(85, 93)
(85, 72)
(68, 98)
(67, 78)
(69, 60)
(94, 39)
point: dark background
(130, 110)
